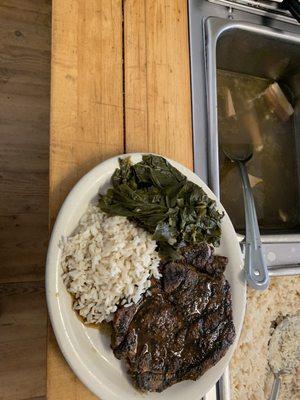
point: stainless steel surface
(284, 270)
(275, 391)
(264, 8)
(223, 387)
(255, 264)
(284, 46)
(268, 54)
(199, 10)
(279, 249)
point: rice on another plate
(251, 376)
(108, 260)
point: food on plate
(163, 201)
(142, 259)
(107, 261)
(183, 329)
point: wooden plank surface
(86, 90)
(157, 79)
(24, 138)
(86, 121)
(22, 341)
(25, 34)
(87, 102)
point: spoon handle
(255, 265)
(275, 388)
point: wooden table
(120, 83)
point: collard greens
(161, 200)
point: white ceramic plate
(86, 349)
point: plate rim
(69, 352)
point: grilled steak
(183, 328)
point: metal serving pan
(260, 51)
(220, 35)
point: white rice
(251, 375)
(107, 261)
(284, 346)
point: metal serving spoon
(275, 391)
(286, 365)
(255, 266)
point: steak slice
(183, 329)
(201, 256)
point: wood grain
(86, 121)
(24, 138)
(157, 79)
(25, 34)
(135, 68)
(23, 246)
(22, 340)
(87, 102)
(37, 398)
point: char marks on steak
(183, 328)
